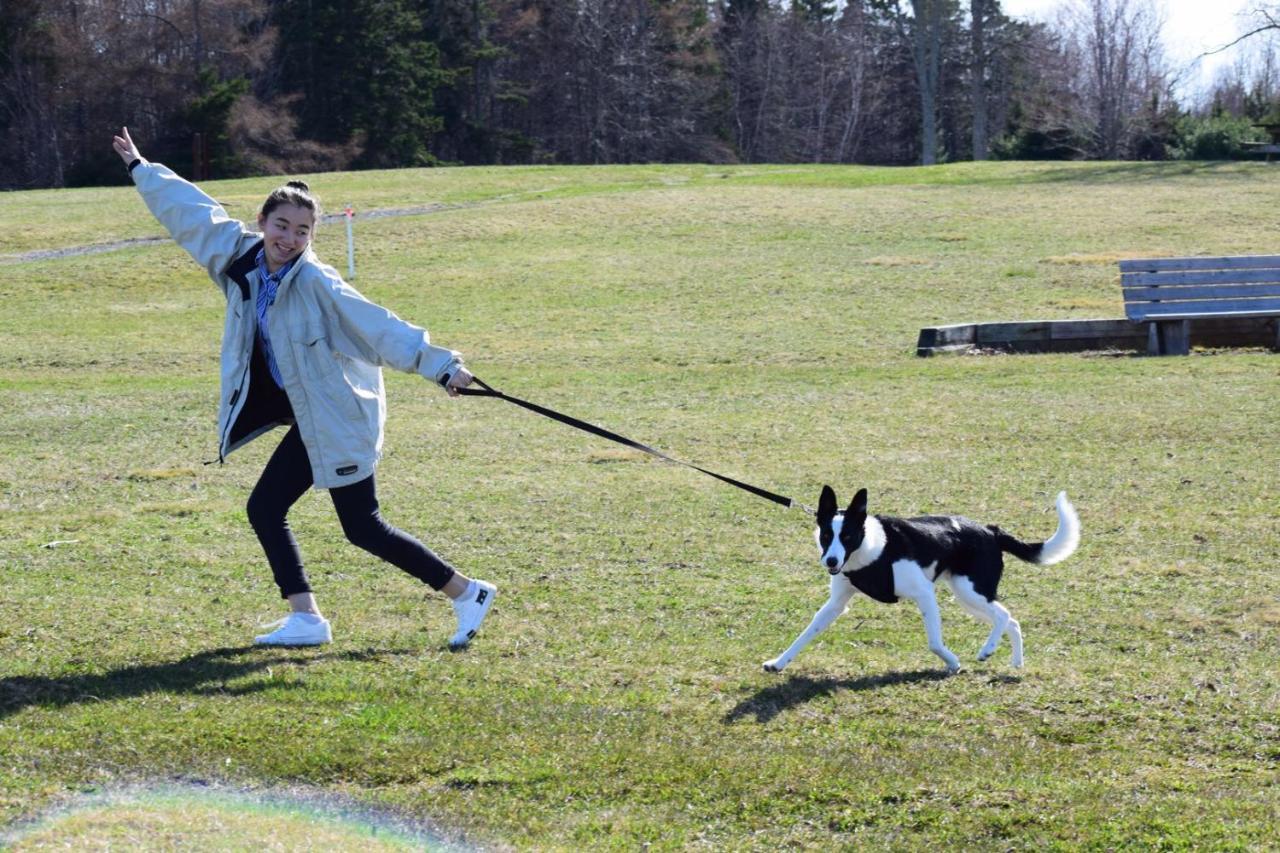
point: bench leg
(1171, 337)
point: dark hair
(296, 193)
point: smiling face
(286, 232)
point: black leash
(487, 391)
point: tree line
(222, 88)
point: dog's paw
(773, 666)
(983, 654)
(953, 668)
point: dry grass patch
(1095, 259)
(895, 262)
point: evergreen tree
(209, 115)
(814, 10)
(365, 69)
(466, 102)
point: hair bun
(296, 193)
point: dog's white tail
(1065, 539)
(1060, 545)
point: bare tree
(800, 81)
(1122, 69)
(1250, 85)
(924, 30)
(1264, 18)
(860, 67)
(750, 49)
(73, 67)
(926, 50)
(978, 75)
(30, 154)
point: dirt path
(99, 248)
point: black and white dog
(890, 558)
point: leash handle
(483, 391)
(486, 390)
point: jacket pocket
(314, 355)
(321, 369)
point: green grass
(760, 321)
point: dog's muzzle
(833, 565)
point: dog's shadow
(769, 702)
(202, 674)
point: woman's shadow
(769, 702)
(203, 674)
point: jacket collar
(242, 266)
(278, 276)
(307, 257)
(248, 262)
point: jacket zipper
(231, 405)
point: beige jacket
(329, 341)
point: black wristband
(136, 161)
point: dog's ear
(858, 506)
(826, 504)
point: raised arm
(195, 221)
(123, 144)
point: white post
(351, 243)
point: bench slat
(1221, 291)
(1190, 310)
(1243, 262)
(1258, 276)
(1168, 293)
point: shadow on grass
(203, 674)
(769, 702)
(1139, 172)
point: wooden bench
(1168, 293)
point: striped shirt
(268, 284)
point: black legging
(286, 478)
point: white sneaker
(297, 629)
(471, 608)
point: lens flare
(212, 816)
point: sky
(1192, 27)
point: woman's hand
(461, 378)
(124, 147)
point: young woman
(301, 348)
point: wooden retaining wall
(1081, 335)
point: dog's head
(840, 534)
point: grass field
(759, 321)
